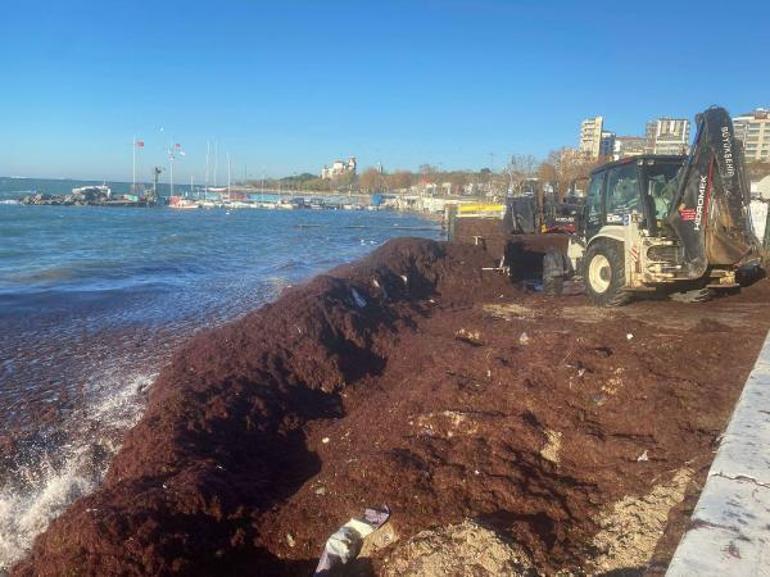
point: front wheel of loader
(604, 273)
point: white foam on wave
(42, 490)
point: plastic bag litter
(345, 544)
(359, 301)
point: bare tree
(546, 172)
(372, 180)
(428, 173)
(519, 168)
(569, 166)
(400, 179)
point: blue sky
(287, 86)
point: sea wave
(41, 488)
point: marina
(199, 198)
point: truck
(669, 224)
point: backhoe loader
(672, 224)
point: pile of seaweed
(503, 428)
(222, 439)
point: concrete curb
(729, 533)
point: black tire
(607, 290)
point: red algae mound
(547, 434)
(222, 438)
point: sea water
(94, 300)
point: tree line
(563, 171)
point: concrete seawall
(729, 533)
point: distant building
(753, 128)
(607, 144)
(668, 136)
(626, 146)
(591, 137)
(339, 167)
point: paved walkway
(729, 533)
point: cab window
(594, 200)
(622, 192)
(662, 184)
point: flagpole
(133, 166)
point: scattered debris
(290, 541)
(382, 538)
(345, 543)
(613, 384)
(381, 287)
(446, 424)
(358, 299)
(643, 457)
(550, 452)
(509, 311)
(524, 339)
(471, 337)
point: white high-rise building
(591, 137)
(668, 136)
(753, 129)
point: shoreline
(77, 334)
(234, 444)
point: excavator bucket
(710, 212)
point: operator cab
(642, 184)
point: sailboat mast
(229, 169)
(208, 155)
(216, 163)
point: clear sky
(288, 86)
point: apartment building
(591, 137)
(668, 136)
(753, 129)
(626, 146)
